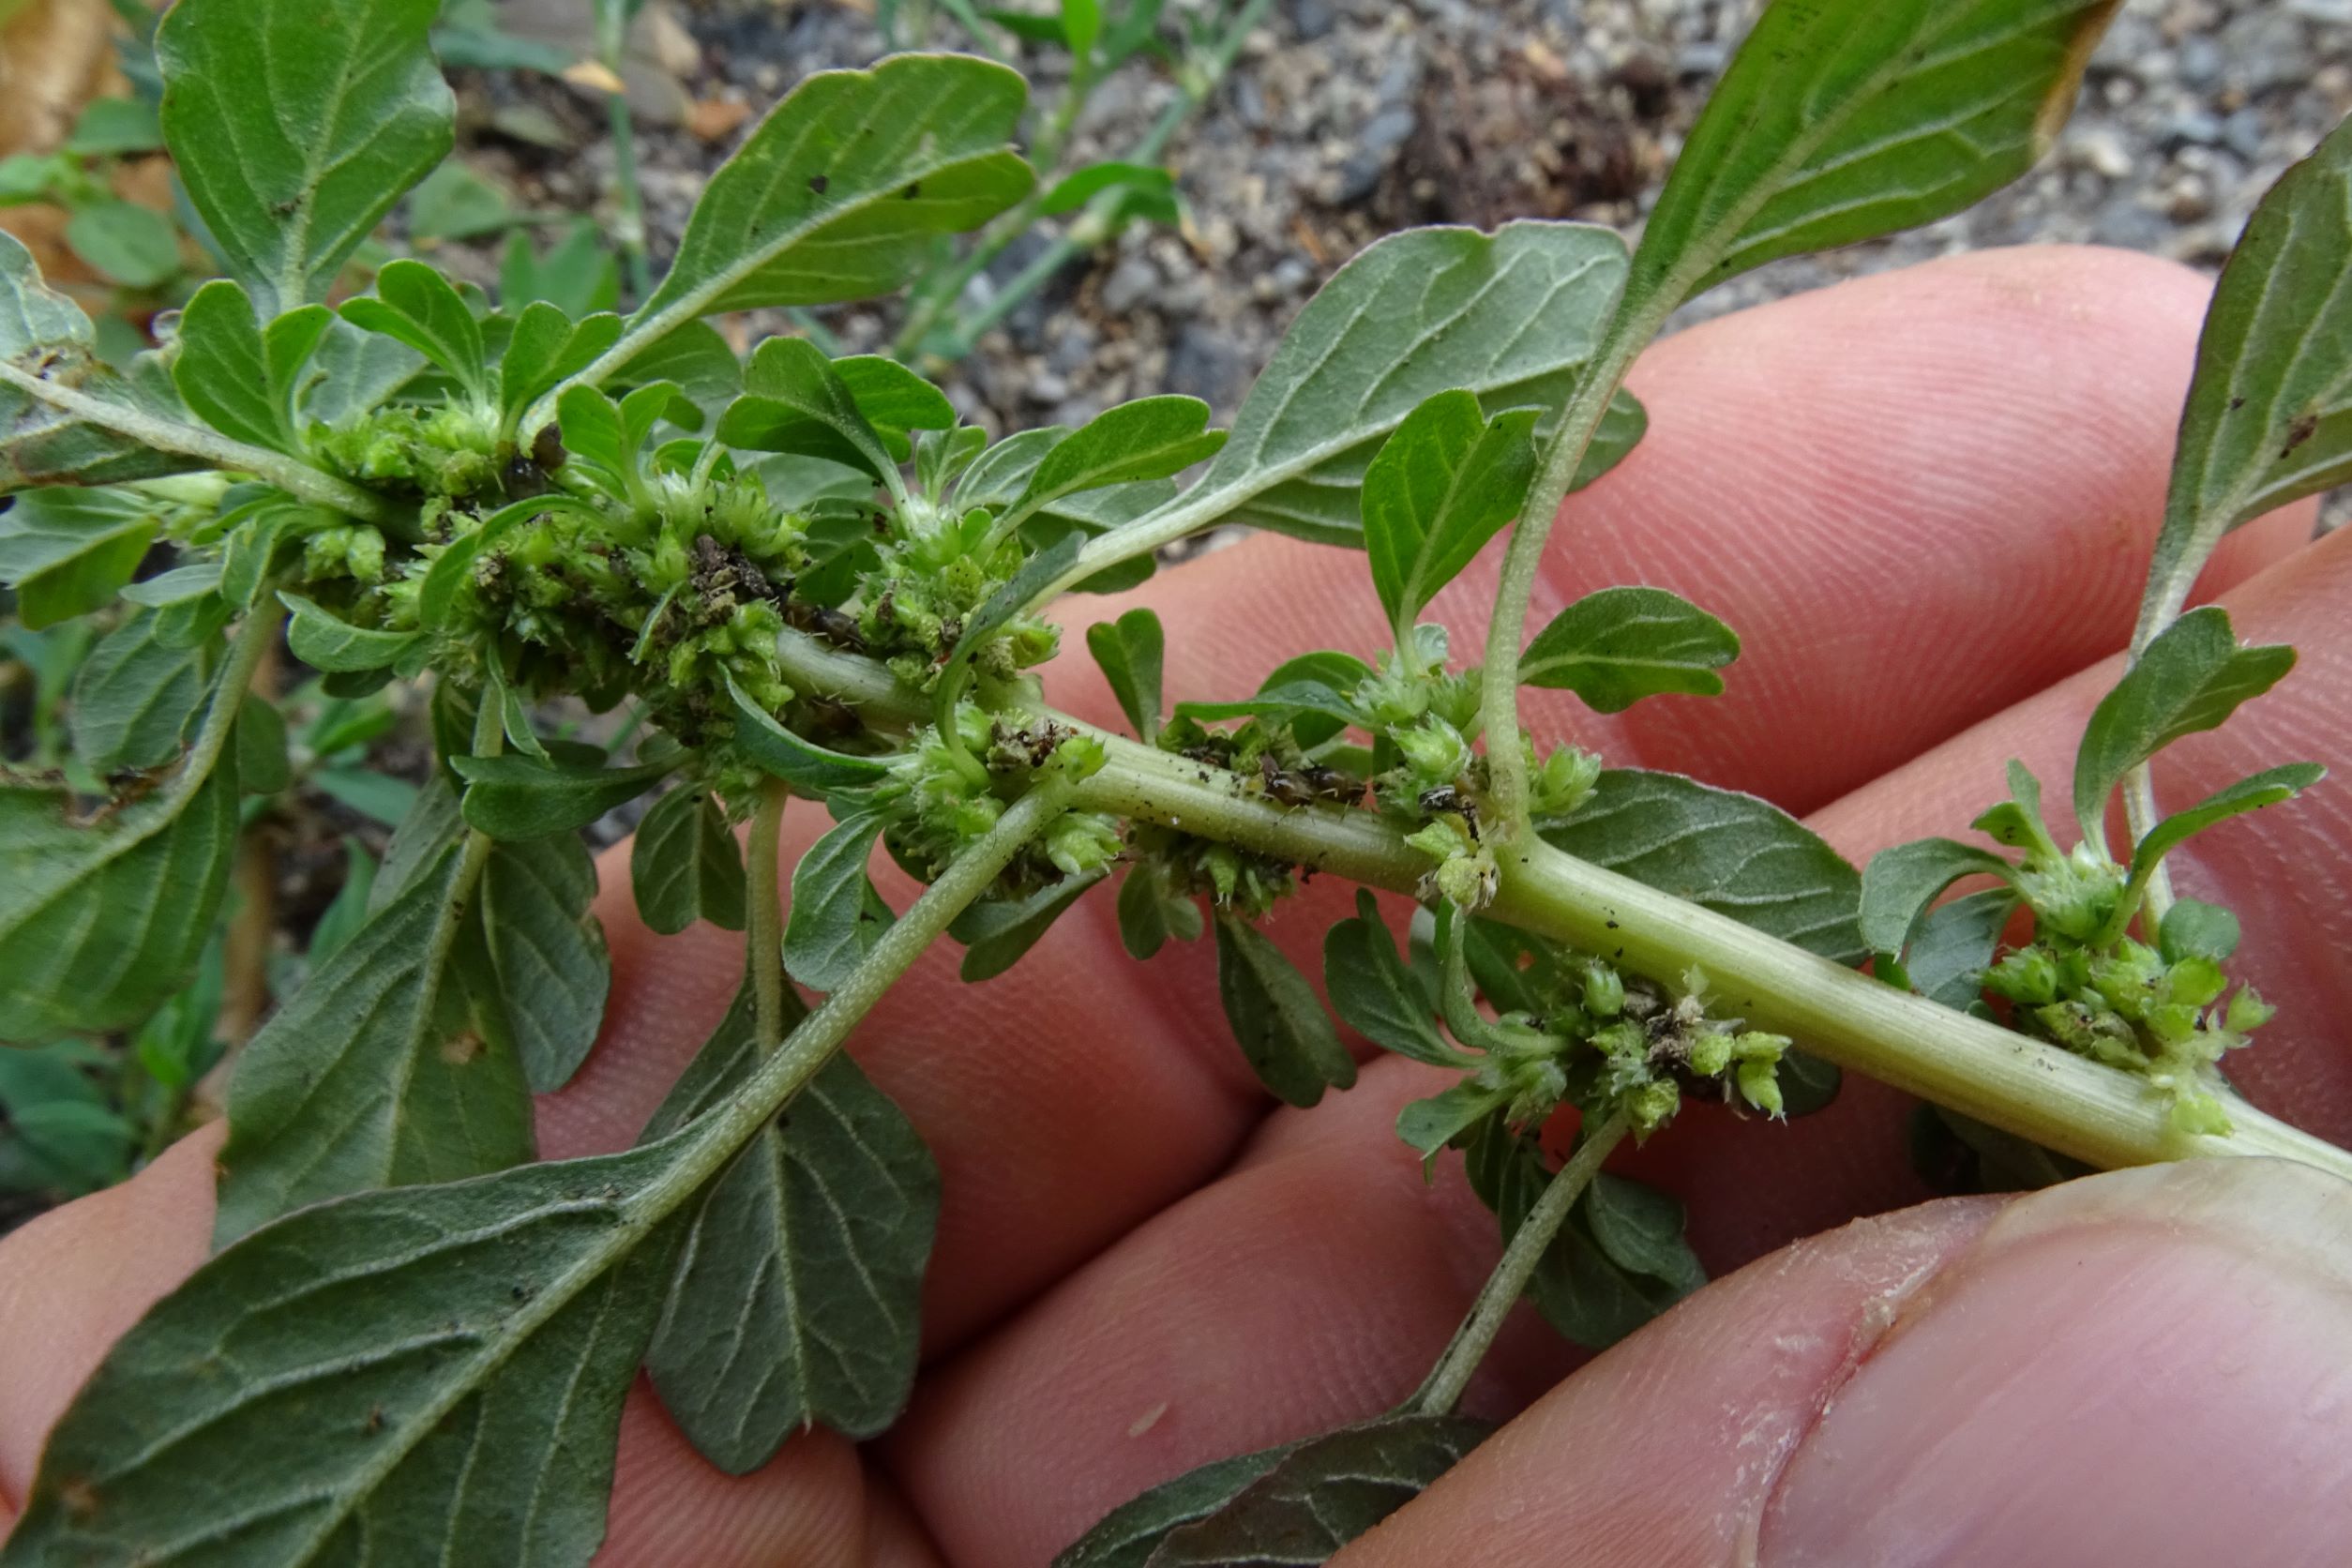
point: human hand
(1924, 501)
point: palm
(1140, 1268)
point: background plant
(814, 584)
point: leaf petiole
(764, 930)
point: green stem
(764, 931)
(298, 480)
(1499, 695)
(2140, 808)
(254, 639)
(1454, 1001)
(1443, 1388)
(2021, 1085)
(630, 230)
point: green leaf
(2189, 679)
(1376, 995)
(1807, 1082)
(440, 1368)
(262, 766)
(546, 346)
(684, 864)
(1281, 703)
(519, 797)
(417, 306)
(322, 641)
(795, 402)
(1131, 651)
(774, 749)
(348, 911)
(295, 128)
(894, 401)
(1337, 673)
(125, 242)
(546, 952)
(1730, 852)
(842, 191)
(354, 372)
(1953, 947)
(577, 275)
(2194, 930)
(134, 696)
(998, 933)
(100, 921)
(1442, 485)
(833, 922)
(1074, 190)
(432, 826)
(2270, 412)
(180, 586)
(1426, 1126)
(1420, 312)
(110, 126)
(45, 339)
(239, 382)
(1151, 912)
(1901, 882)
(377, 795)
(454, 202)
(1616, 646)
(1840, 120)
(1298, 1504)
(1283, 1031)
(1151, 438)
(2263, 788)
(803, 1265)
(374, 1074)
(1639, 1228)
(67, 552)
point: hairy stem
(1439, 1394)
(298, 480)
(629, 226)
(764, 930)
(2140, 809)
(2021, 1085)
(1499, 694)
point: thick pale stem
(1508, 1283)
(763, 927)
(298, 480)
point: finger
(74, 1280)
(2118, 1370)
(1057, 1126)
(1876, 486)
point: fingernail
(2150, 1367)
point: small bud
(2027, 976)
(2247, 1012)
(1603, 991)
(1760, 1085)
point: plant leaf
(228, 374)
(1440, 487)
(547, 953)
(996, 934)
(795, 402)
(1283, 1031)
(1411, 315)
(1151, 438)
(1731, 852)
(1902, 880)
(894, 401)
(323, 641)
(101, 921)
(442, 1367)
(774, 749)
(295, 127)
(1953, 947)
(686, 865)
(2189, 679)
(832, 924)
(2196, 930)
(134, 697)
(1131, 651)
(1620, 645)
(374, 1074)
(1298, 1504)
(1376, 995)
(2268, 417)
(1839, 120)
(842, 190)
(67, 552)
(415, 305)
(1639, 1228)
(1082, 185)
(1150, 912)
(124, 243)
(803, 1266)
(517, 797)
(546, 346)
(2263, 788)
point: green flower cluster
(933, 571)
